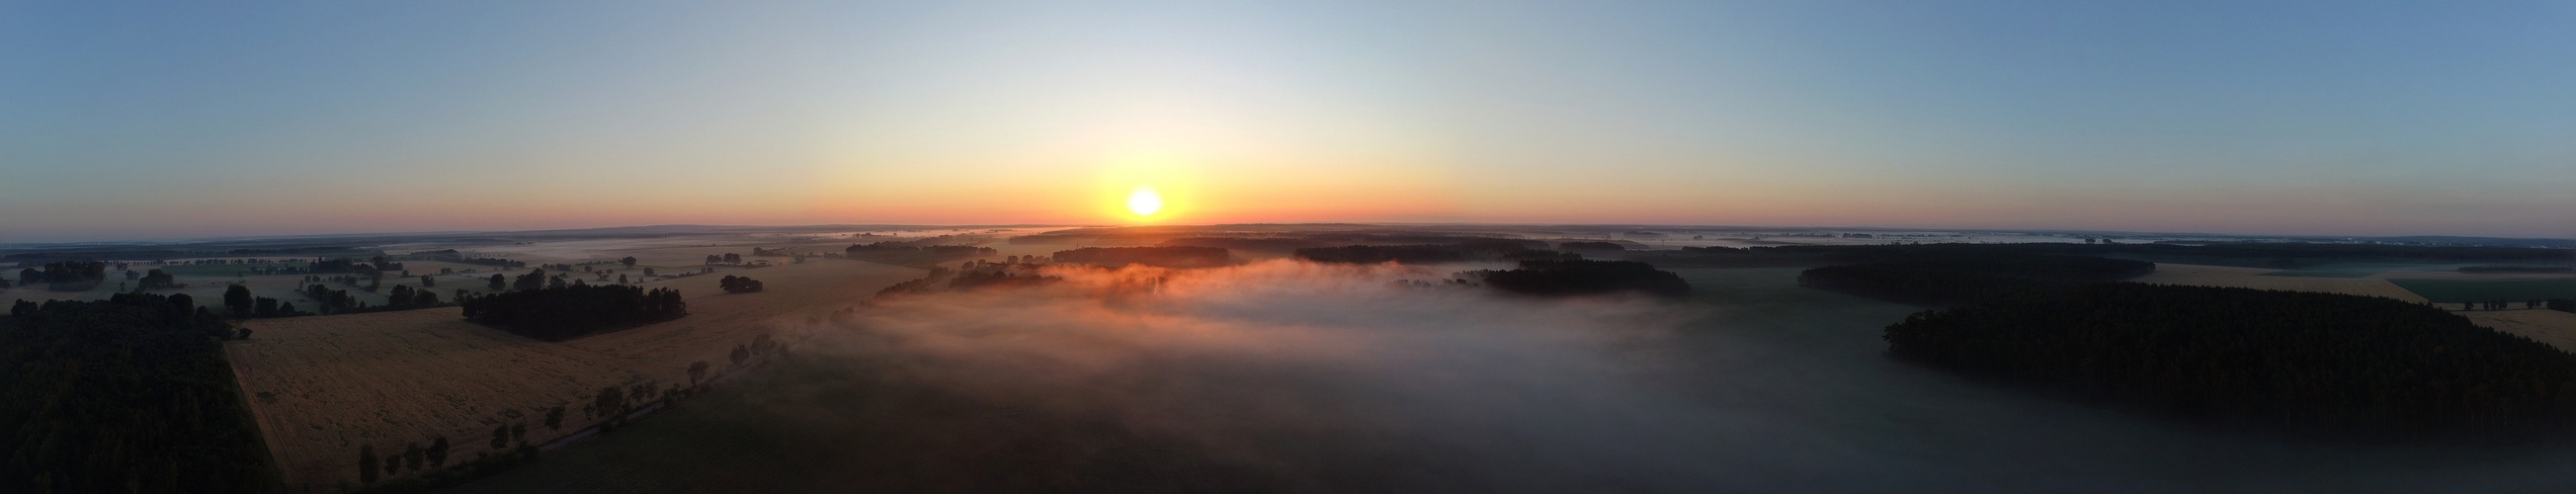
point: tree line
(1431, 253)
(66, 276)
(1169, 257)
(129, 394)
(998, 277)
(2317, 364)
(896, 247)
(1949, 279)
(239, 302)
(561, 313)
(1560, 277)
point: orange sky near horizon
(193, 121)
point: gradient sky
(123, 120)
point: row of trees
(2502, 304)
(557, 314)
(330, 300)
(953, 250)
(1431, 253)
(2264, 254)
(1169, 257)
(998, 277)
(913, 253)
(1583, 277)
(375, 473)
(1950, 279)
(2318, 364)
(493, 261)
(1592, 246)
(238, 300)
(66, 276)
(123, 395)
(611, 407)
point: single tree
(732, 258)
(500, 437)
(367, 464)
(519, 432)
(499, 282)
(740, 354)
(427, 282)
(554, 417)
(610, 402)
(238, 299)
(697, 371)
(712, 258)
(535, 279)
(437, 452)
(629, 261)
(412, 456)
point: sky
(142, 120)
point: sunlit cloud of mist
(1299, 368)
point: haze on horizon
(121, 121)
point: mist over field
(1295, 377)
(1307, 376)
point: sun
(1144, 202)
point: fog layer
(1293, 377)
(1310, 376)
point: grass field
(2511, 290)
(323, 385)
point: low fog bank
(1286, 376)
(1307, 377)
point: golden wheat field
(321, 386)
(2230, 276)
(2548, 326)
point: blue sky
(153, 120)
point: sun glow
(1144, 202)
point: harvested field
(2229, 276)
(2556, 328)
(2513, 291)
(321, 386)
(2455, 274)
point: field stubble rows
(322, 386)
